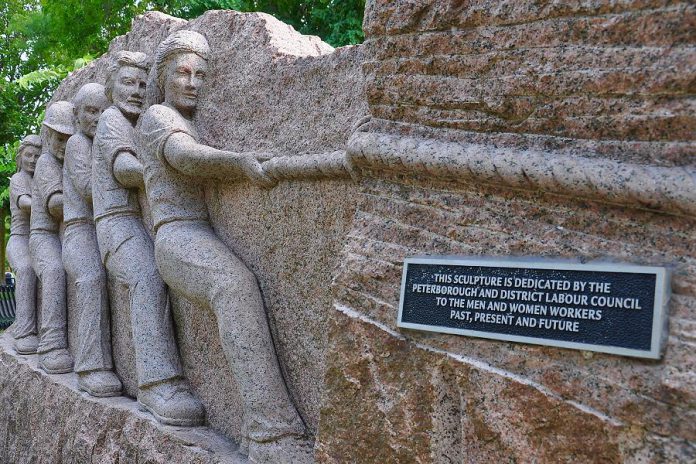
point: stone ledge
(46, 419)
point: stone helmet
(59, 117)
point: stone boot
(99, 383)
(26, 345)
(172, 403)
(56, 361)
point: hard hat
(59, 117)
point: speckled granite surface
(477, 107)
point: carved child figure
(127, 250)
(44, 241)
(93, 362)
(192, 259)
(24, 328)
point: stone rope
(669, 189)
(314, 166)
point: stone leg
(129, 258)
(47, 260)
(25, 286)
(198, 265)
(83, 265)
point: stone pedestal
(46, 419)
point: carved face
(56, 143)
(184, 79)
(30, 154)
(129, 90)
(89, 111)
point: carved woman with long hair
(24, 328)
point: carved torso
(77, 180)
(114, 134)
(173, 196)
(48, 180)
(20, 184)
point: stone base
(46, 419)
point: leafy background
(42, 41)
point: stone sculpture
(474, 148)
(83, 265)
(192, 259)
(127, 250)
(44, 241)
(24, 328)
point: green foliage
(59, 31)
(338, 22)
(7, 169)
(44, 77)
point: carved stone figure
(81, 258)
(44, 241)
(192, 259)
(24, 327)
(127, 250)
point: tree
(338, 22)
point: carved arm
(24, 203)
(55, 205)
(82, 180)
(128, 170)
(190, 157)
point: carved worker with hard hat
(44, 241)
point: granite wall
(506, 128)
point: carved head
(58, 127)
(89, 103)
(29, 151)
(181, 64)
(127, 81)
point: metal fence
(7, 302)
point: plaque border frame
(660, 308)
